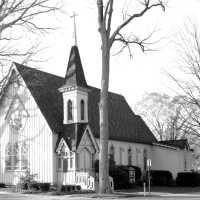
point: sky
(133, 77)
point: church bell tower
(75, 91)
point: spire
(75, 35)
(75, 74)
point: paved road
(133, 196)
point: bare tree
(168, 117)
(108, 38)
(188, 46)
(17, 17)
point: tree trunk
(104, 127)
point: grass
(173, 190)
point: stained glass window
(24, 156)
(16, 156)
(12, 156)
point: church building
(49, 125)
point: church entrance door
(85, 160)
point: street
(122, 196)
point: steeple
(75, 75)
(75, 89)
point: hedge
(70, 188)
(120, 178)
(188, 179)
(161, 177)
(120, 174)
(44, 187)
(2, 185)
(138, 172)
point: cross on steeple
(75, 36)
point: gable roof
(124, 125)
(182, 143)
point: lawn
(158, 193)
(173, 190)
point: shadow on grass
(172, 190)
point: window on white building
(121, 156)
(60, 163)
(65, 160)
(82, 109)
(145, 159)
(16, 156)
(69, 110)
(112, 153)
(129, 156)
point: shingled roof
(124, 125)
(182, 143)
(75, 75)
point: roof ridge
(36, 69)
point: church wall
(55, 158)
(137, 152)
(174, 160)
(35, 133)
(162, 158)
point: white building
(50, 125)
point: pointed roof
(75, 75)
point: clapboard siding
(36, 133)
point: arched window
(12, 161)
(112, 153)
(82, 109)
(129, 156)
(145, 159)
(69, 110)
(24, 156)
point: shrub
(188, 179)
(27, 180)
(34, 186)
(138, 172)
(2, 185)
(161, 177)
(120, 178)
(44, 187)
(70, 188)
(120, 175)
(78, 188)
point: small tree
(108, 38)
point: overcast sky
(129, 77)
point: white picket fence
(83, 179)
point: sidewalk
(115, 195)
